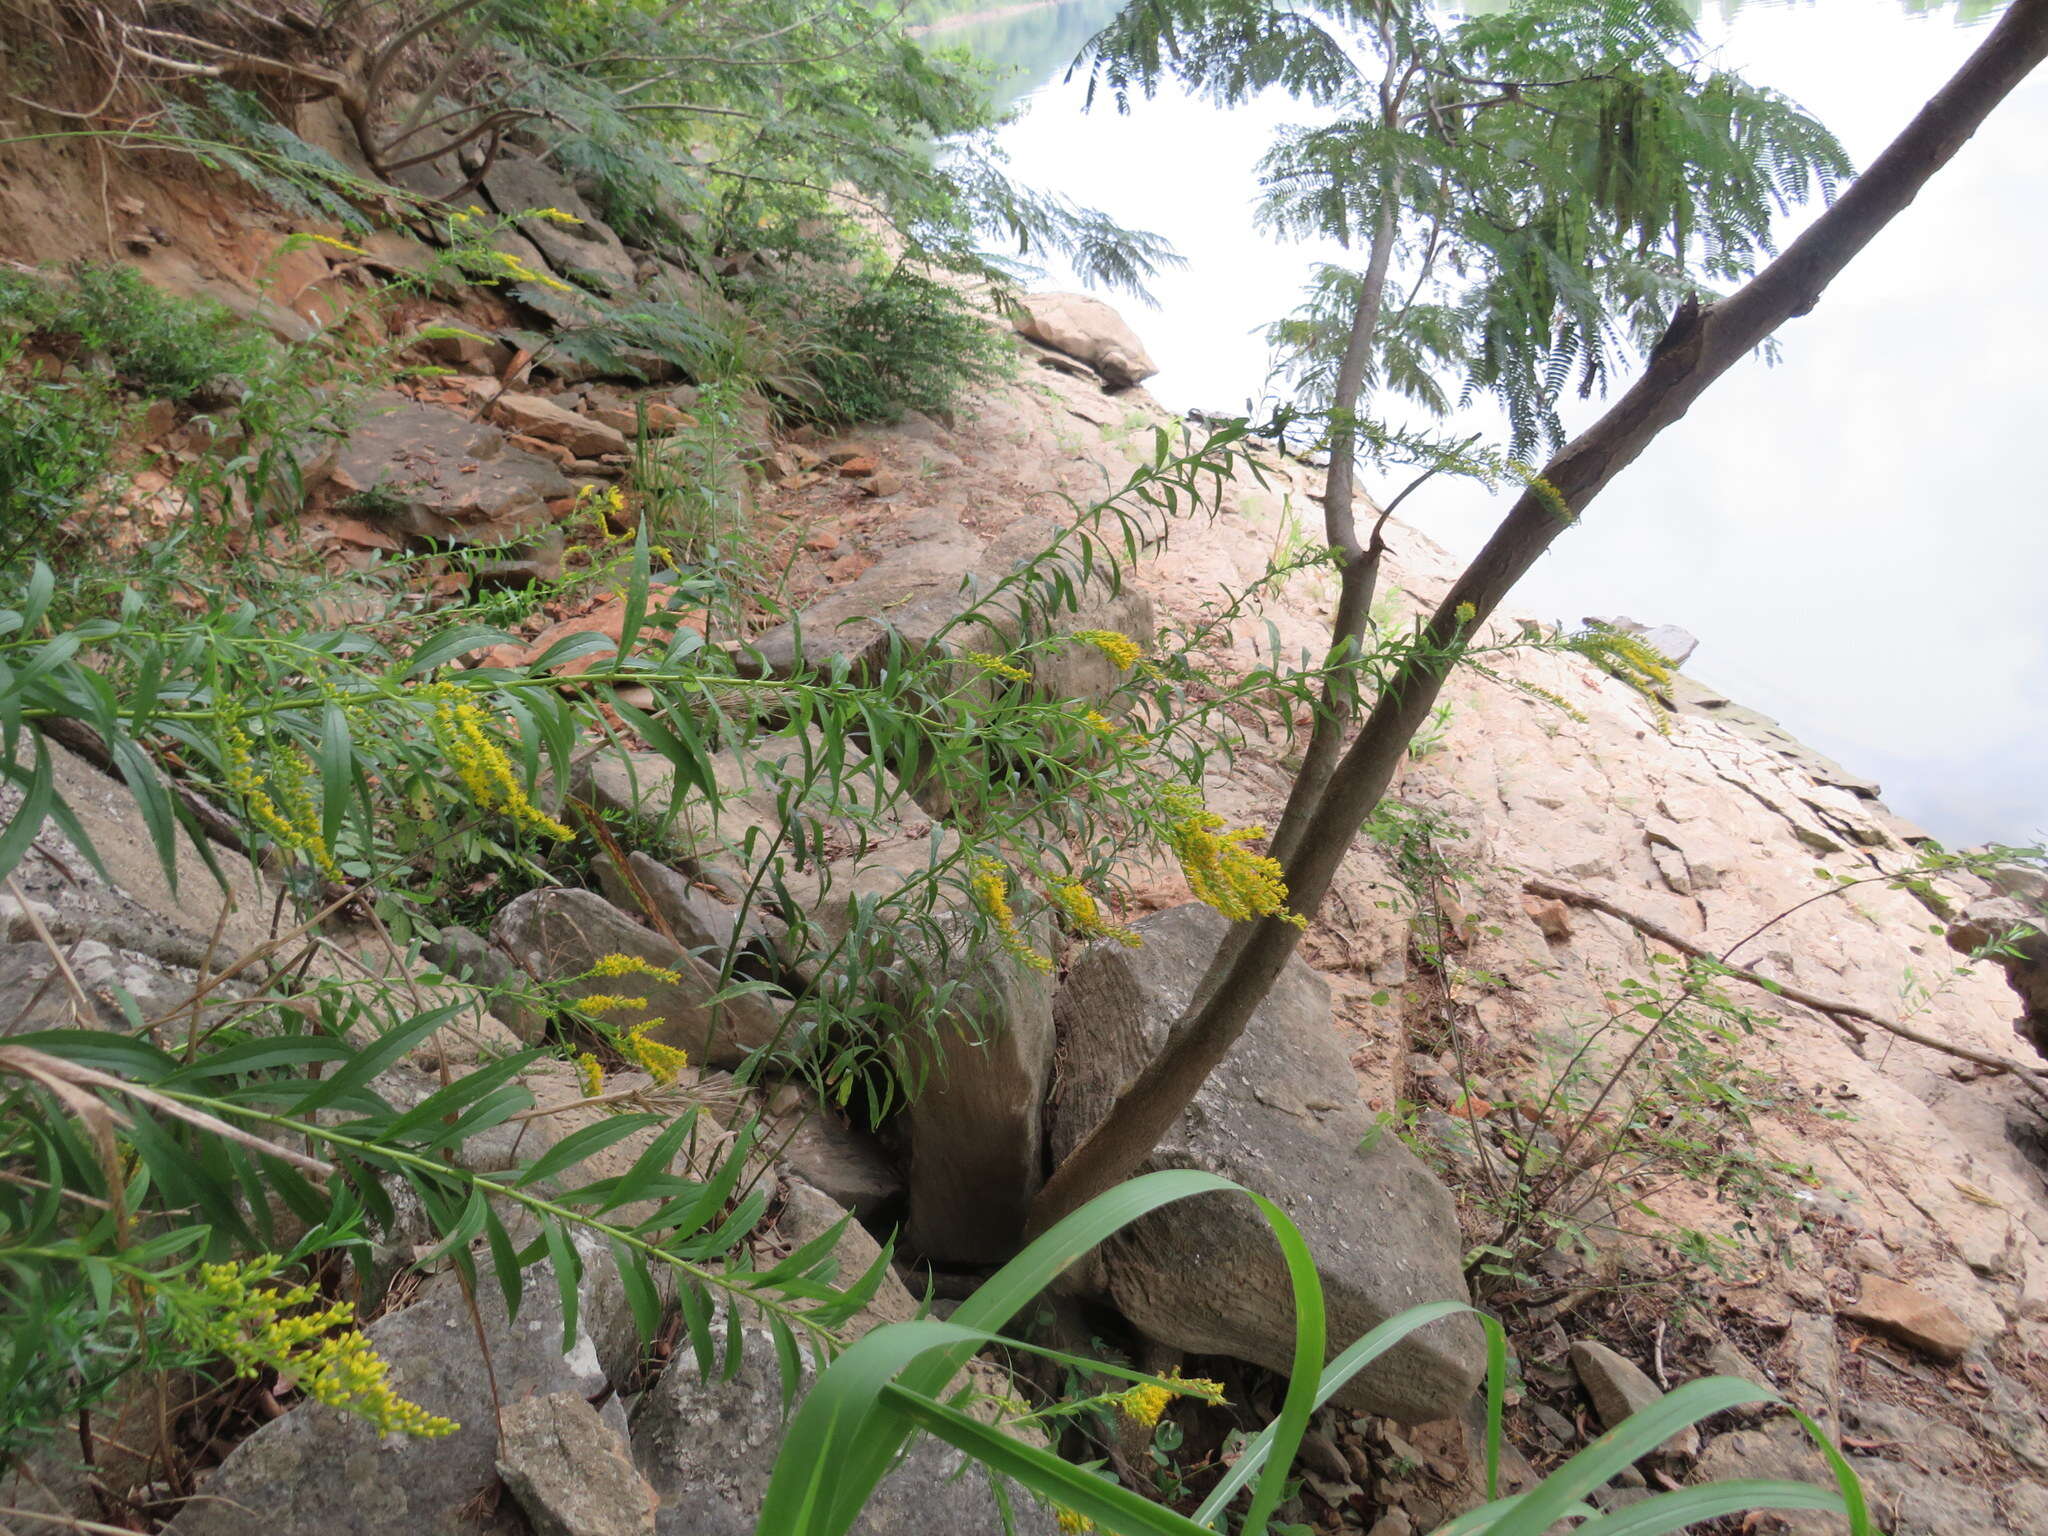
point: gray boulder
(438, 475)
(560, 934)
(1089, 330)
(570, 1471)
(1281, 1116)
(709, 1449)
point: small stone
(858, 466)
(1910, 1316)
(883, 482)
(1870, 1255)
(1619, 1388)
(1394, 1522)
(1552, 917)
(569, 1470)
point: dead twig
(1840, 1012)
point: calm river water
(1859, 535)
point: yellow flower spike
(1100, 723)
(1467, 613)
(996, 666)
(337, 245)
(297, 824)
(1121, 649)
(1071, 1520)
(233, 1313)
(661, 1062)
(1144, 1402)
(556, 216)
(992, 894)
(607, 1002)
(591, 1071)
(1220, 870)
(630, 965)
(485, 769)
(1084, 916)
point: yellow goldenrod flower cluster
(1100, 723)
(609, 502)
(992, 894)
(514, 267)
(1466, 614)
(295, 823)
(1144, 1402)
(630, 965)
(1220, 870)
(459, 727)
(609, 1002)
(591, 1072)
(661, 1062)
(1085, 916)
(1071, 1520)
(995, 666)
(233, 1312)
(1121, 649)
(308, 238)
(555, 216)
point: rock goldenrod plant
(239, 1311)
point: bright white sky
(1859, 536)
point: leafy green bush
(57, 440)
(107, 319)
(893, 343)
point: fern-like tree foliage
(1535, 193)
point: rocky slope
(1898, 1290)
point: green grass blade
(1629, 1441)
(1669, 1512)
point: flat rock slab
(438, 475)
(1281, 1116)
(535, 416)
(1912, 1317)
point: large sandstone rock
(1281, 1116)
(439, 475)
(559, 934)
(538, 417)
(320, 1472)
(1087, 329)
(918, 591)
(709, 1448)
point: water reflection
(1858, 535)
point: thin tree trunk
(1698, 349)
(1358, 575)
